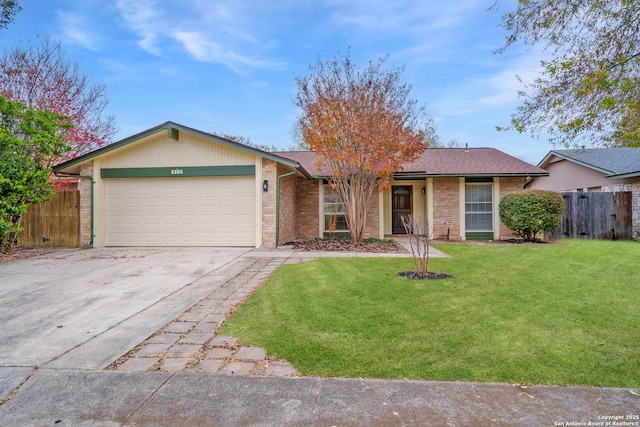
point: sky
(230, 67)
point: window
(333, 208)
(478, 206)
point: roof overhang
(624, 175)
(173, 130)
(412, 176)
(552, 153)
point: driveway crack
(13, 392)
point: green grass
(567, 313)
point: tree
(589, 92)
(45, 78)
(28, 138)
(530, 212)
(8, 10)
(432, 139)
(247, 141)
(363, 126)
(419, 235)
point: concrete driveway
(85, 308)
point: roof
(172, 128)
(435, 162)
(614, 162)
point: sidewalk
(107, 398)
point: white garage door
(212, 211)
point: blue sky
(230, 66)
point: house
(172, 185)
(589, 169)
(594, 170)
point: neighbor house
(173, 185)
(593, 170)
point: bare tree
(419, 236)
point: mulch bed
(431, 275)
(346, 245)
(18, 252)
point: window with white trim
(332, 208)
(478, 197)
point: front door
(400, 206)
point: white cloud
(74, 30)
(142, 17)
(506, 84)
(203, 49)
(491, 92)
(210, 33)
(400, 16)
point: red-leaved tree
(363, 126)
(45, 78)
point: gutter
(278, 204)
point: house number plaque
(177, 171)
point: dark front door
(400, 206)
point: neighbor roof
(434, 162)
(614, 162)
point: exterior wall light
(265, 185)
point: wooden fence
(54, 223)
(596, 216)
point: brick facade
(307, 208)
(85, 188)
(288, 218)
(446, 208)
(269, 171)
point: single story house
(589, 169)
(593, 170)
(172, 185)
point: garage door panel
(212, 211)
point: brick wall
(86, 239)
(446, 208)
(288, 218)
(508, 185)
(269, 204)
(307, 208)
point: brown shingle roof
(441, 162)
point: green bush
(530, 212)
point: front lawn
(567, 313)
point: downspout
(278, 204)
(91, 211)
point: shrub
(530, 212)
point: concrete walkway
(184, 374)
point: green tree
(28, 139)
(8, 10)
(530, 212)
(589, 91)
